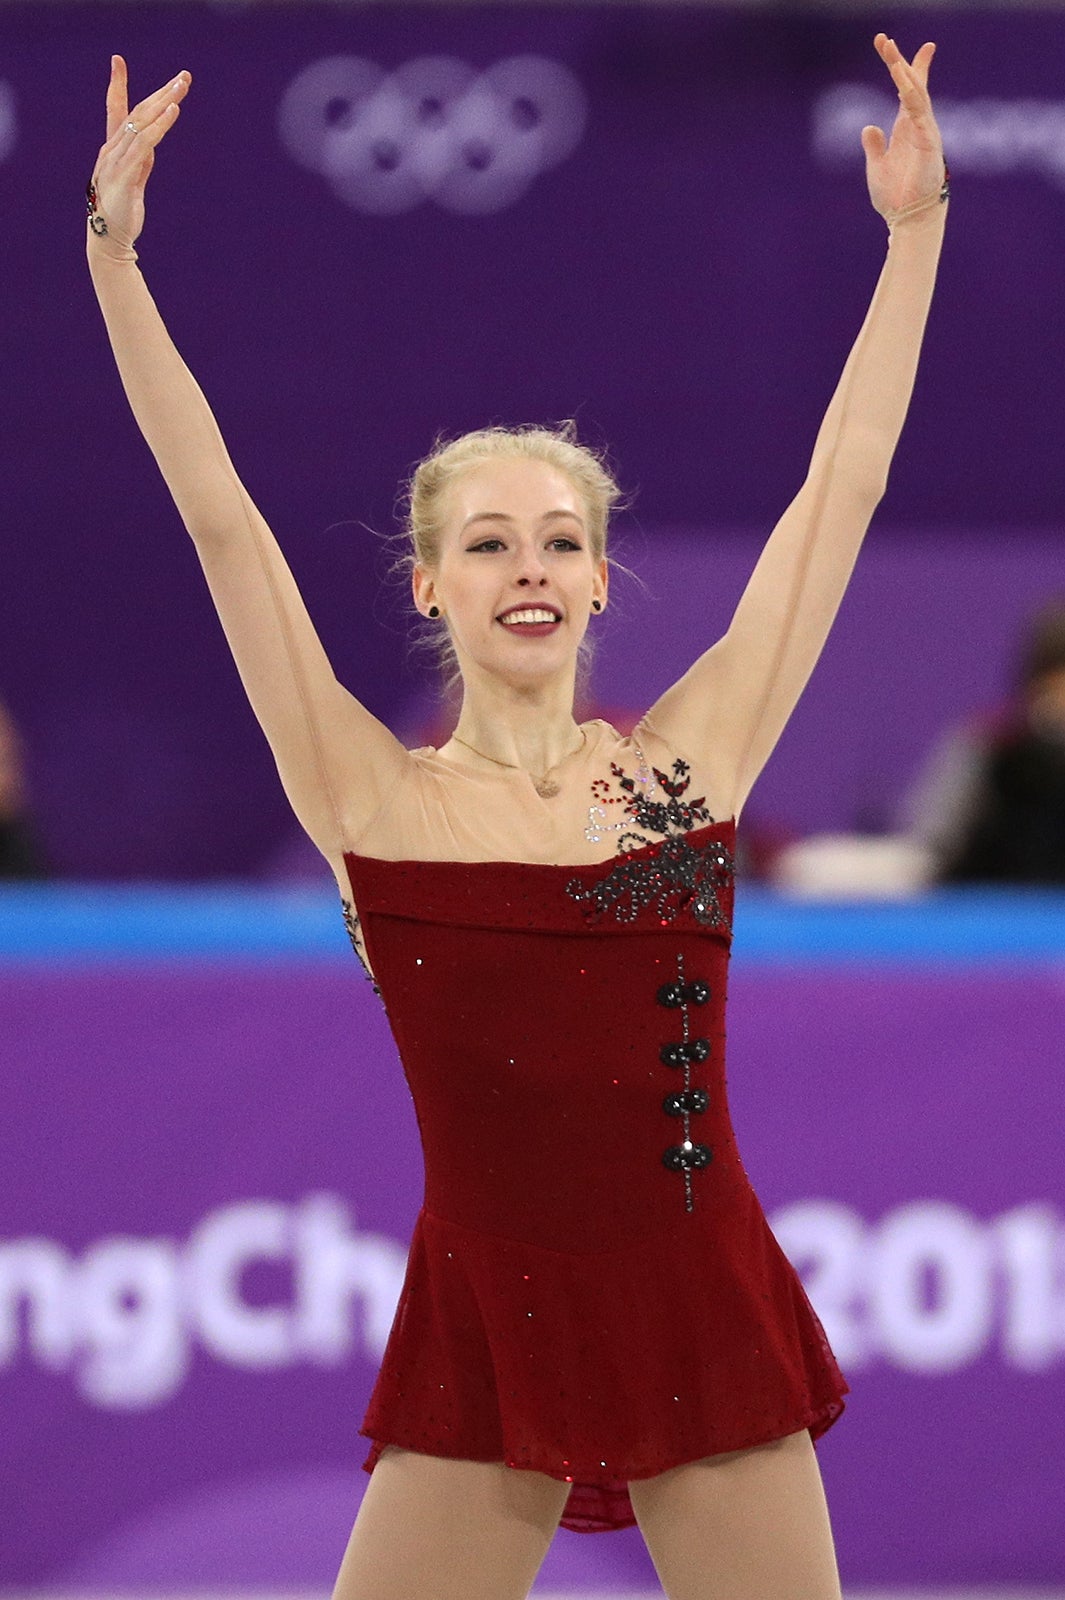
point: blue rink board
(107, 922)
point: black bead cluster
(675, 1055)
(679, 877)
(675, 1105)
(687, 1102)
(683, 1158)
(672, 815)
(678, 994)
(351, 922)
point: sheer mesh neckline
(429, 752)
(448, 816)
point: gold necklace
(545, 788)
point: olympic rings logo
(435, 129)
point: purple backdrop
(210, 1175)
(211, 1214)
(682, 259)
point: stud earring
(434, 611)
(597, 605)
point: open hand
(126, 159)
(909, 167)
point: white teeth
(530, 616)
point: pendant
(546, 788)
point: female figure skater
(596, 1324)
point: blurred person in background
(989, 804)
(592, 1328)
(20, 853)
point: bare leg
(449, 1530)
(752, 1525)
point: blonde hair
(426, 491)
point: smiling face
(515, 536)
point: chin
(531, 671)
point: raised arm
(730, 708)
(338, 763)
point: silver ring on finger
(131, 127)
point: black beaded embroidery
(679, 877)
(675, 994)
(675, 1105)
(351, 922)
(676, 1055)
(688, 1102)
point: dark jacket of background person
(1016, 833)
(990, 805)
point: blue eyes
(569, 543)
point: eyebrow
(502, 516)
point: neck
(532, 729)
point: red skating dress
(592, 1290)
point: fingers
(157, 113)
(151, 135)
(873, 142)
(890, 53)
(146, 111)
(116, 96)
(910, 80)
(922, 61)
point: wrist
(112, 243)
(929, 221)
(930, 205)
(108, 246)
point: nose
(531, 566)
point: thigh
(752, 1525)
(449, 1530)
